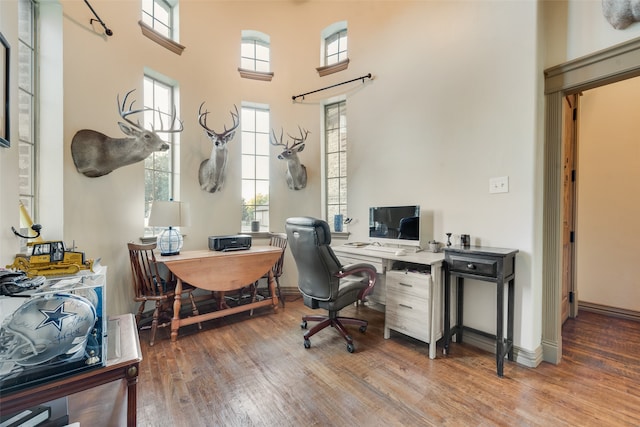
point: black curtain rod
(106, 30)
(368, 76)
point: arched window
(335, 47)
(160, 23)
(334, 54)
(255, 55)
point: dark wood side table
(497, 265)
(122, 366)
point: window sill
(333, 68)
(255, 75)
(150, 33)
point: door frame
(614, 64)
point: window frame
(154, 162)
(251, 135)
(28, 144)
(341, 207)
(255, 38)
(153, 19)
(341, 54)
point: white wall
(608, 196)
(433, 126)
(9, 244)
(456, 99)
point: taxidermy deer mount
(296, 171)
(95, 154)
(621, 14)
(212, 170)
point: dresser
(410, 287)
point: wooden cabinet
(411, 307)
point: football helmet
(45, 327)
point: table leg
(272, 291)
(175, 321)
(132, 397)
(447, 311)
(500, 328)
(459, 308)
(510, 303)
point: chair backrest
(144, 269)
(309, 240)
(278, 240)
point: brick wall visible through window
(336, 160)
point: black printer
(236, 242)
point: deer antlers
(297, 141)
(202, 119)
(126, 112)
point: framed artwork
(5, 55)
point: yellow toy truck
(50, 259)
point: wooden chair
(148, 285)
(278, 240)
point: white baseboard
(609, 311)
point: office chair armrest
(368, 269)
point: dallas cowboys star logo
(54, 317)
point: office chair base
(334, 322)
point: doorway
(611, 65)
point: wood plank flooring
(255, 371)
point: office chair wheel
(303, 325)
(307, 343)
(350, 348)
(363, 329)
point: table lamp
(169, 214)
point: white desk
(413, 301)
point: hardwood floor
(255, 372)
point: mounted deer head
(621, 14)
(211, 174)
(96, 154)
(296, 172)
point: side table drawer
(473, 265)
(413, 284)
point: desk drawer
(354, 259)
(473, 265)
(416, 285)
(408, 315)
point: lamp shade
(166, 213)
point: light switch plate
(499, 184)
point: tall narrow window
(255, 168)
(27, 144)
(336, 159)
(159, 167)
(335, 47)
(158, 14)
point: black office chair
(323, 281)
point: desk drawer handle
(406, 306)
(405, 284)
(471, 266)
